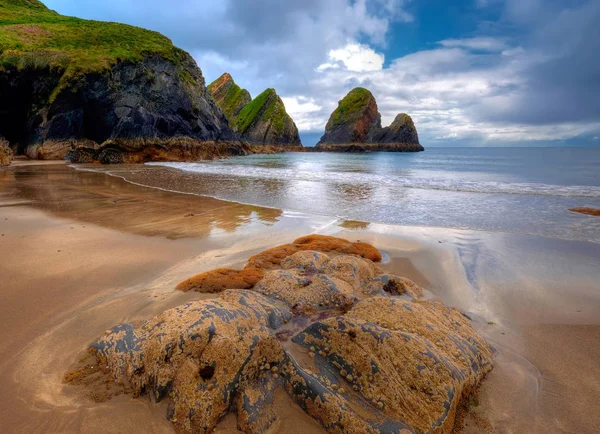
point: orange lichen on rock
(586, 211)
(324, 243)
(272, 258)
(321, 243)
(221, 279)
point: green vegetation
(352, 104)
(266, 106)
(229, 96)
(33, 36)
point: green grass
(232, 100)
(33, 36)
(350, 105)
(274, 110)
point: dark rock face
(149, 110)
(261, 121)
(355, 126)
(356, 115)
(402, 130)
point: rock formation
(68, 83)
(5, 152)
(380, 359)
(229, 96)
(355, 126)
(259, 121)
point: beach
(85, 250)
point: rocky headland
(260, 121)
(102, 91)
(355, 126)
(359, 350)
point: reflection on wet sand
(113, 203)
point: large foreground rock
(382, 359)
(355, 126)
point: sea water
(518, 190)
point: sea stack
(355, 126)
(65, 90)
(260, 121)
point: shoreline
(457, 266)
(333, 219)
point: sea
(515, 190)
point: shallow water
(519, 190)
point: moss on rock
(229, 96)
(31, 35)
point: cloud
(354, 57)
(479, 43)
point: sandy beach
(83, 251)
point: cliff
(264, 121)
(260, 121)
(355, 126)
(122, 93)
(229, 96)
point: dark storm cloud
(562, 82)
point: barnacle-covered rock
(381, 360)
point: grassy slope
(350, 105)
(233, 97)
(32, 36)
(274, 110)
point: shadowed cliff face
(355, 126)
(81, 94)
(259, 121)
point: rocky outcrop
(355, 126)
(5, 152)
(264, 121)
(261, 121)
(352, 121)
(147, 104)
(229, 96)
(357, 349)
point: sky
(470, 73)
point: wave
(413, 179)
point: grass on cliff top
(265, 106)
(33, 36)
(351, 104)
(230, 97)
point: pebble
(342, 391)
(349, 377)
(274, 369)
(343, 373)
(380, 405)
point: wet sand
(83, 251)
